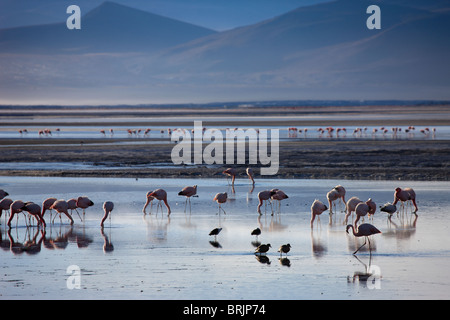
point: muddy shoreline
(364, 160)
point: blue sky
(215, 14)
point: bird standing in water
(364, 230)
(285, 248)
(214, 232)
(108, 206)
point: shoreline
(363, 160)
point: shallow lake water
(160, 257)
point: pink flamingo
(341, 191)
(332, 196)
(230, 172)
(5, 204)
(15, 207)
(278, 195)
(265, 196)
(35, 210)
(61, 206)
(149, 200)
(72, 205)
(350, 206)
(364, 230)
(161, 195)
(3, 193)
(250, 175)
(364, 208)
(84, 203)
(221, 198)
(317, 208)
(108, 206)
(46, 204)
(405, 195)
(188, 192)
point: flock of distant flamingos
(360, 208)
(293, 132)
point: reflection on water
(141, 244)
(30, 239)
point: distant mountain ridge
(323, 51)
(110, 27)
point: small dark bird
(388, 208)
(256, 232)
(285, 248)
(215, 232)
(263, 248)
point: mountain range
(322, 51)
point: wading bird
(285, 248)
(61, 206)
(188, 192)
(15, 207)
(214, 232)
(84, 203)
(350, 206)
(230, 172)
(405, 194)
(149, 200)
(256, 232)
(263, 248)
(316, 209)
(221, 198)
(161, 195)
(278, 195)
(364, 208)
(265, 196)
(5, 204)
(35, 210)
(389, 208)
(364, 230)
(108, 206)
(250, 175)
(46, 204)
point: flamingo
(188, 192)
(316, 209)
(149, 200)
(46, 204)
(364, 230)
(265, 196)
(84, 203)
(364, 208)
(341, 190)
(332, 196)
(3, 194)
(61, 206)
(108, 206)
(263, 248)
(15, 207)
(250, 175)
(230, 172)
(285, 248)
(72, 205)
(405, 195)
(350, 206)
(161, 195)
(35, 210)
(5, 204)
(278, 195)
(221, 198)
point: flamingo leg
(365, 239)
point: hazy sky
(215, 14)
